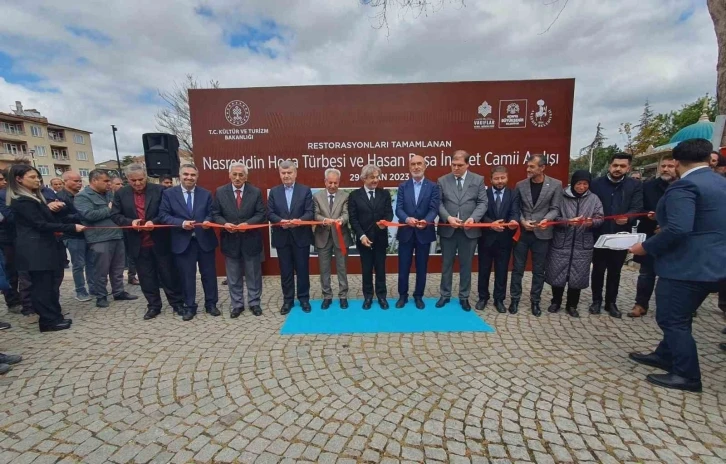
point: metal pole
(115, 144)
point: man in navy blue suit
(186, 206)
(495, 244)
(689, 253)
(287, 204)
(417, 204)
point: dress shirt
(288, 195)
(417, 184)
(691, 170)
(368, 193)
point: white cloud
(620, 52)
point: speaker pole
(118, 160)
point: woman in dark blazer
(38, 252)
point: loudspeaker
(161, 154)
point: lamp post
(115, 144)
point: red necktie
(239, 198)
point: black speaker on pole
(161, 154)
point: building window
(12, 128)
(78, 139)
(82, 156)
(59, 154)
(37, 131)
(43, 170)
(83, 172)
(40, 151)
(14, 149)
(56, 135)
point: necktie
(239, 197)
(189, 202)
(459, 185)
(498, 202)
(371, 194)
(330, 203)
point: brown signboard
(348, 126)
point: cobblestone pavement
(119, 389)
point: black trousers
(722, 295)
(611, 261)
(373, 259)
(12, 297)
(294, 262)
(677, 300)
(158, 271)
(573, 296)
(187, 264)
(499, 255)
(529, 242)
(646, 282)
(46, 296)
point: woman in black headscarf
(570, 252)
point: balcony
(11, 130)
(56, 135)
(60, 155)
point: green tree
(687, 115)
(126, 160)
(600, 160)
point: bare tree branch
(553, 2)
(175, 118)
(418, 7)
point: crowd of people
(558, 228)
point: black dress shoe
(675, 382)
(724, 331)
(401, 302)
(383, 303)
(442, 302)
(536, 311)
(613, 311)
(212, 311)
(256, 310)
(554, 308)
(326, 303)
(572, 312)
(234, 314)
(514, 307)
(125, 296)
(70, 321)
(306, 306)
(151, 313)
(465, 304)
(722, 346)
(343, 303)
(481, 304)
(188, 314)
(419, 302)
(595, 307)
(367, 303)
(286, 308)
(652, 360)
(102, 302)
(56, 327)
(500, 306)
(178, 310)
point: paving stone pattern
(554, 389)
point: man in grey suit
(539, 199)
(463, 202)
(234, 204)
(331, 206)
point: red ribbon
(473, 225)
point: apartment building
(52, 148)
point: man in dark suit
(653, 191)
(417, 204)
(241, 203)
(366, 206)
(689, 253)
(186, 206)
(138, 205)
(619, 195)
(495, 244)
(463, 202)
(539, 199)
(288, 204)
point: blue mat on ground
(356, 320)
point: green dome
(700, 130)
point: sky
(92, 63)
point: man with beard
(620, 195)
(653, 190)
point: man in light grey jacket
(463, 202)
(105, 245)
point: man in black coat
(138, 205)
(366, 206)
(653, 191)
(287, 204)
(495, 244)
(240, 202)
(620, 195)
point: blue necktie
(189, 202)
